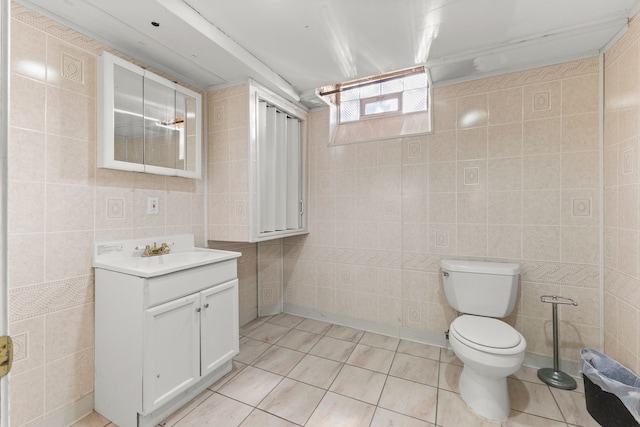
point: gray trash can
(611, 391)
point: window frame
(378, 126)
(334, 93)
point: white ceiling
(295, 46)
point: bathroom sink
(125, 257)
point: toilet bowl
(490, 350)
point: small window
(399, 92)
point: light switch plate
(152, 206)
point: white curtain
(293, 174)
(279, 169)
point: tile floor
(293, 371)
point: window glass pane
(392, 86)
(370, 90)
(415, 81)
(382, 106)
(414, 100)
(350, 94)
(349, 111)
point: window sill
(378, 128)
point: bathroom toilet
(489, 348)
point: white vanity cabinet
(161, 340)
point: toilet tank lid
(499, 268)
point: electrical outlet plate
(152, 206)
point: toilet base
(487, 396)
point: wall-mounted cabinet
(258, 165)
(147, 123)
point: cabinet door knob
(206, 305)
(198, 310)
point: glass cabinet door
(128, 116)
(146, 122)
(163, 125)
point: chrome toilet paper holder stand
(555, 377)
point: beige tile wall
(228, 116)
(511, 173)
(59, 205)
(247, 276)
(621, 195)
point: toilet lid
(486, 331)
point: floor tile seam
(316, 408)
(347, 358)
(376, 346)
(404, 415)
(287, 348)
(421, 357)
(510, 408)
(284, 326)
(367, 369)
(261, 400)
(267, 371)
(304, 330)
(310, 332)
(357, 400)
(252, 329)
(297, 380)
(435, 419)
(541, 416)
(413, 381)
(306, 383)
(381, 393)
(286, 419)
(390, 374)
(335, 378)
(323, 357)
(533, 382)
(381, 390)
(228, 379)
(274, 415)
(290, 370)
(255, 358)
(557, 405)
(393, 359)
(281, 338)
(342, 339)
(235, 400)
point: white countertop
(125, 256)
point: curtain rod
(366, 81)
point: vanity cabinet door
(171, 351)
(219, 323)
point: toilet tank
(481, 288)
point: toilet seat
(487, 334)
